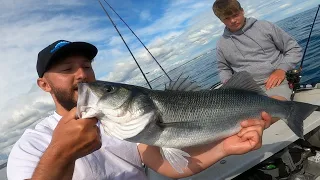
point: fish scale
(214, 119)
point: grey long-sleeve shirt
(259, 48)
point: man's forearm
(201, 158)
(53, 165)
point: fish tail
(299, 112)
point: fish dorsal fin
(182, 84)
(243, 80)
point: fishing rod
(3, 165)
(139, 40)
(305, 50)
(293, 76)
(114, 25)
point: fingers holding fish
(252, 122)
(68, 117)
(249, 138)
(252, 139)
(266, 121)
(89, 129)
(75, 138)
(267, 118)
(252, 133)
(257, 125)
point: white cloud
(24, 30)
(145, 15)
(22, 39)
(21, 113)
(175, 15)
(284, 5)
(163, 47)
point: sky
(174, 31)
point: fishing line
(114, 25)
(139, 40)
(305, 50)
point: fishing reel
(293, 77)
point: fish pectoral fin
(243, 80)
(175, 157)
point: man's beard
(65, 98)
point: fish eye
(109, 88)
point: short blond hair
(225, 8)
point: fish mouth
(80, 86)
(75, 87)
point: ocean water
(203, 69)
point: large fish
(174, 119)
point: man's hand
(275, 79)
(249, 138)
(74, 138)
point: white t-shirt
(116, 159)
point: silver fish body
(180, 119)
(187, 119)
(174, 119)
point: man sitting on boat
(258, 47)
